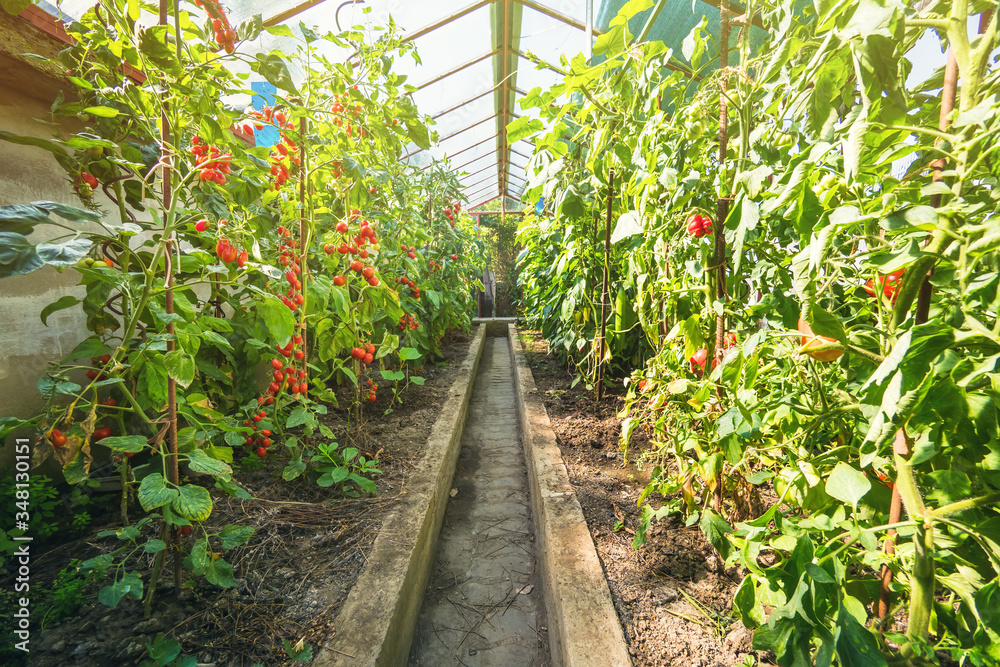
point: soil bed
(648, 585)
(293, 575)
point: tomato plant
(827, 389)
(220, 256)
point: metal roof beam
(446, 20)
(489, 166)
(481, 180)
(526, 157)
(453, 71)
(480, 191)
(568, 20)
(290, 12)
(467, 128)
(464, 129)
(467, 148)
(482, 203)
(468, 101)
(475, 159)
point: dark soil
(650, 586)
(293, 575)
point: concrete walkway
(484, 602)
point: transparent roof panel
(447, 34)
(528, 76)
(548, 37)
(448, 92)
(474, 164)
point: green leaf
(847, 484)
(824, 323)
(154, 492)
(408, 353)
(71, 213)
(629, 224)
(333, 476)
(393, 376)
(295, 468)
(21, 218)
(180, 366)
(363, 483)
(219, 572)
(715, 529)
(417, 380)
(67, 301)
(163, 650)
(67, 253)
(50, 146)
(17, 255)
(194, 503)
(155, 546)
(522, 128)
(153, 45)
(125, 443)
(300, 415)
(279, 30)
(15, 7)
(234, 536)
(418, 134)
(278, 319)
(130, 585)
(856, 645)
(199, 461)
(274, 70)
(102, 112)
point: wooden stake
(719, 256)
(948, 95)
(604, 291)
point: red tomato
(697, 361)
(811, 340)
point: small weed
(66, 593)
(300, 652)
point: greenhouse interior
(500, 332)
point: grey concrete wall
(30, 174)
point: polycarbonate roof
(473, 67)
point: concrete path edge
(378, 619)
(583, 625)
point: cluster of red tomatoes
(286, 375)
(258, 441)
(366, 234)
(293, 297)
(342, 106)
(229, 253)
(365, 353)
(450, 213)
(99, 362)
(403, 280)
(699, 225)
(225, 36)
(212, 164)
(372, 388)
(408, 322)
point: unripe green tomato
(829, 181)
(784, 140)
